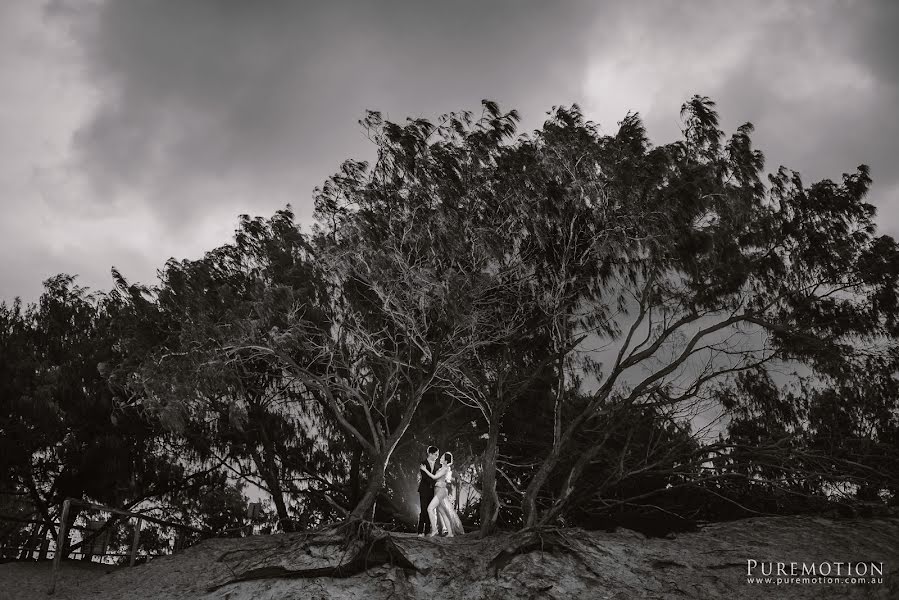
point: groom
(426, 488)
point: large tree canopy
(603, 327)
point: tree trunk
(45, 545)
(355, 475)
(274, 472)
(274, 487)
(573, 475)
(489, 499)
(40, 504)
(283, 517)
(375, 483)
(379, 468)
(529, 503)
(33, 543)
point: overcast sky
(133, 131)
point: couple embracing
(435, 477)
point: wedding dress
(455, 523)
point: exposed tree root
(346, 550)
(355, 531)
(535, 540)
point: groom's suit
(426, 494)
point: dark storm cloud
(879, 42)
(824, 95)
(817, 79)
(262, 98)
(268, 94)
(135, 130)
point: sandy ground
(32, 579)
(571, 565)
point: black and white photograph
(389, 299)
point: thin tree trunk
(489, 499)
(33, 541)
(529, 502)
(274, 487)
(573, 475)
(283, 517)
(274, 472)
(45, 545)
(40, 504)
(356, 475)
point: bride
(442, 478)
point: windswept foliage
(606, 329)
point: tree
(723, 277)
(408, 302)
(247, 413)
(60, 432)
(676, 261)
(568, 307)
